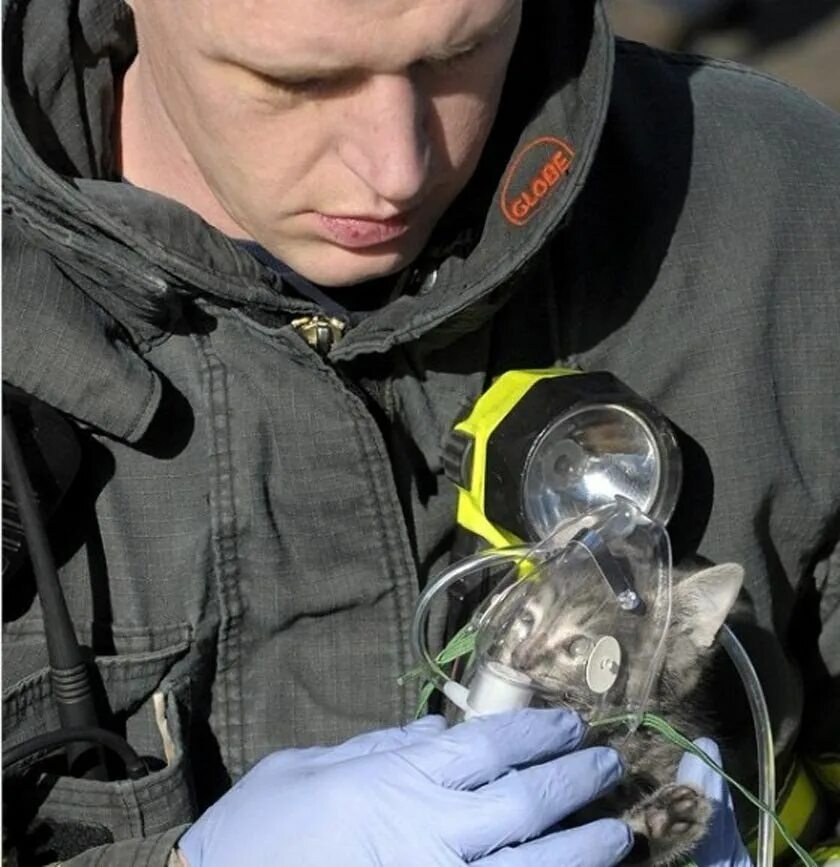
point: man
(265, 254)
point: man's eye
(444, 64)
(456, 60)
(296, 86)
(305, 85)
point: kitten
(552, 637)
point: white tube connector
(493, 689)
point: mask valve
(603, 665)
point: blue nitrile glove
(722, 846)
(422, 795)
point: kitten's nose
(526, 656)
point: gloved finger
(379, 741)
(522, 804)
(476, 752)
(722, 845)
(599, 844)
(417, 731)
(693, 770)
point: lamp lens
(584, 460)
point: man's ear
(703, 599)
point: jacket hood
(63, 60)
(60, 73)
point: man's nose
(385, 142)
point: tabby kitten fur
(549, 639)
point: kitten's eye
(526, 619)
(580, 646)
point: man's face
(334, 132)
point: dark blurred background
(795, 40)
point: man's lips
(362, 231)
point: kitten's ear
(702, 600)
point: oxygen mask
(578, 619)
(570, 478)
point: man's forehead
(341, 33)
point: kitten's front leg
(672, 819)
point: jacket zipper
(320, 332)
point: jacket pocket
(54, 817)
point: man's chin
(333, 266)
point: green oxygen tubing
(503, 694)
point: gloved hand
(722, 846)
(422, 795)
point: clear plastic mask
(581, 619)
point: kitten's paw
(672, 819)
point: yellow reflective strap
(795, 804)
(486, 415)
(826, 768)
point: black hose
(39, 746)
(71, 685)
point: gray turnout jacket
(257, 517)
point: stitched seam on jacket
(402, 566)
(396, 544)
(225, 552)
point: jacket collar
(525, 186)
(60, 72)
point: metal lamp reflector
(588, 457)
